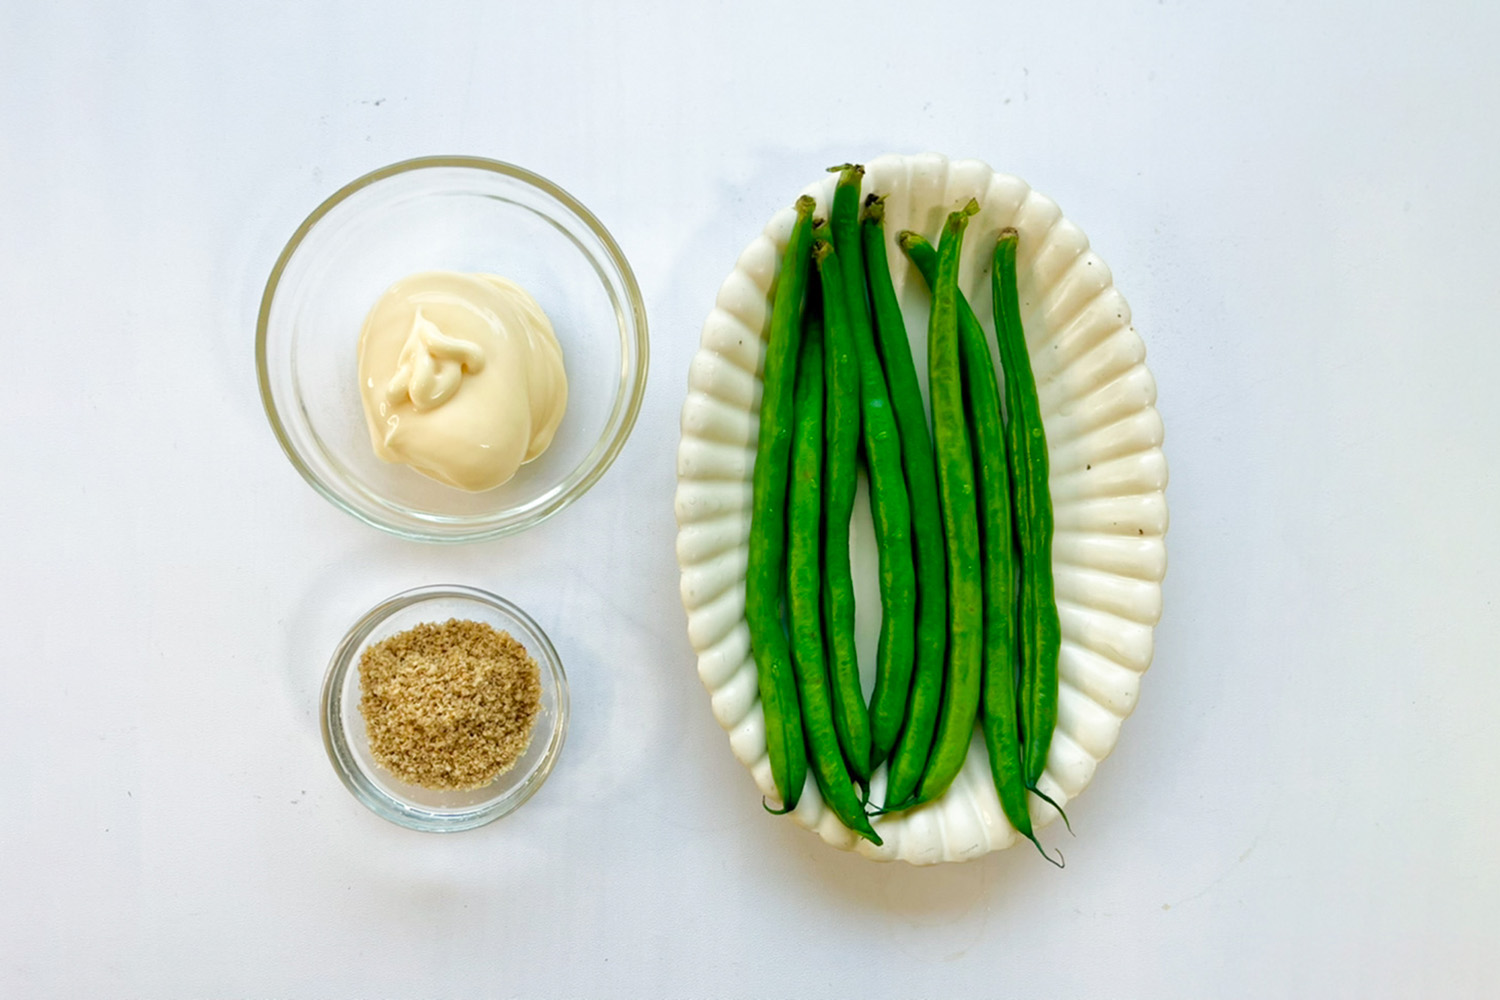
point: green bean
(765, 568)
(909, 757)
(804, 572)
(997, 713)
(889, 504)
(960, 707)
(1039, 632)
(850, 717)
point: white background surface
(1300, 206)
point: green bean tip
(959, 218)
(972, 208)
(1051, 802)
(907, 237)
(1061, 861)
(774, 812)
(1010, 233)
(847, 169)
(806, 203)
(875, 208)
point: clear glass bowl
(420, 808)
(464, 214)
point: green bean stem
(765, 568)
(804, 574)
(1040, 633)
(889, 503)
(841, 432)
(997, 712)
(909, 758)
(960, 707)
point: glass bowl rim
(368, 792)
(635, 388)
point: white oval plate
(1108, 490)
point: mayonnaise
(461, 376)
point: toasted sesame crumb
(450, 705)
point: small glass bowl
(412, 806)
(456, 213)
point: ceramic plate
(1108, 479)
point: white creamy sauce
(462, 377)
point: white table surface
(1299, 204)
